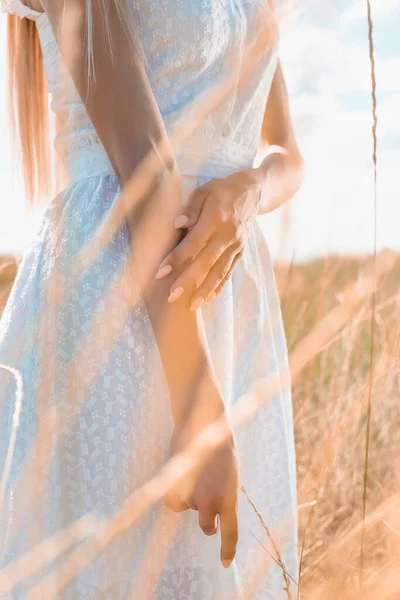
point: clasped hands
(218, 217)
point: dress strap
(16, 7)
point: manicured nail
(210, 296)
(197, 303)
(226, 563)
(175, 294)
(164, 271)
(181, 220)
(201, 279)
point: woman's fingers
(197, 270)
(208, 519)
(229, 533)
(219, 274)
(190, 246)
(173, 502)
(191, 213)
(221, 284)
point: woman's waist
(195, 157)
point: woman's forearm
(179, 332)
(121, 105)
(184, 353)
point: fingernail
(210, 296)
(226, 563)
(175, 294)
(163, 272)
(201, 279)
(197, 303)
(181, 220)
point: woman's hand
(212, 490)
(218, 216)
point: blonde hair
(28, 98)
(28, 107)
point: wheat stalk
(373, 296)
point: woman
(110, 376)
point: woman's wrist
(203, 405)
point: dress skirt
(94, 422)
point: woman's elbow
(300, 168)
(297, 169)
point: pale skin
(219, 218)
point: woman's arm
(220, 212)
(124, 112)
(281, 172)
(126, 117)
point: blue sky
(324, 53)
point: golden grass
(8, 271)
(330, 408)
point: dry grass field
(8, 271)
(330, 406)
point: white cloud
(389, 121)
(334, 210)
(306, 51)
(316, 59)
(388, 74)
(380, 8)
(353, 72)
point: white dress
(110, 388)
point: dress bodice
(189, 46)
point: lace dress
(105, 375)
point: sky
(325, 58)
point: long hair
(28, 107)
(28, 98)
